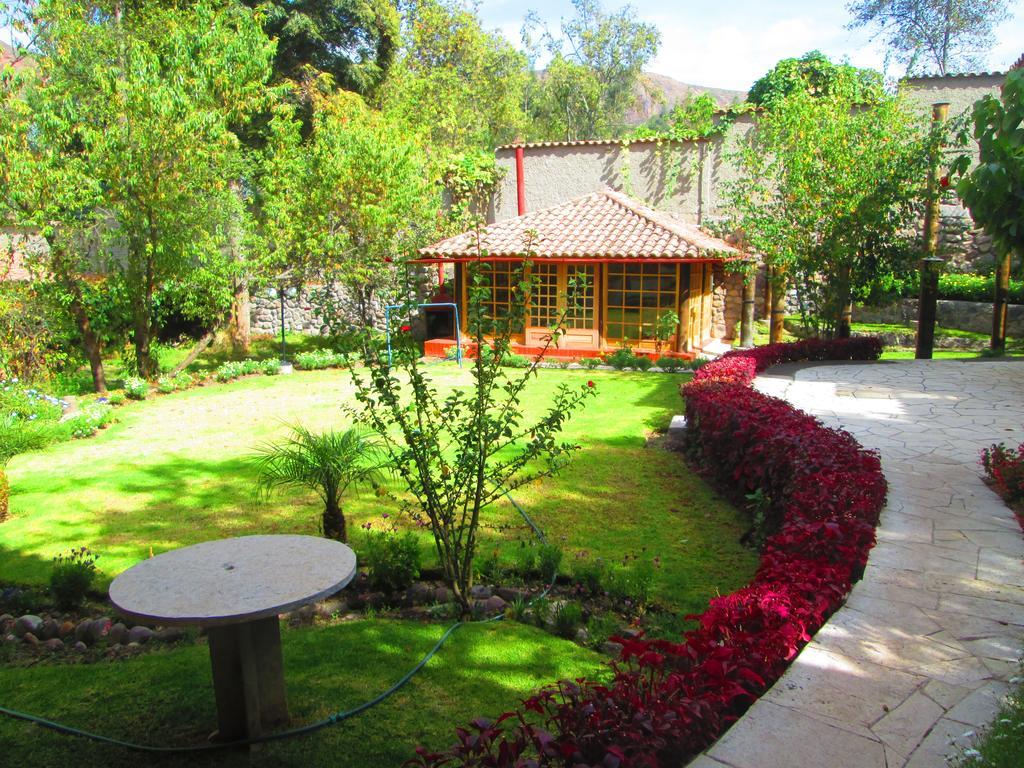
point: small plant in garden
(567, 619)
(620, 358)
(327, 462)
(641, 363)
(318, 359)
(183, 380)
(1004, 466)
(664, 329)
(632, 585)
(460, 453)
(72, 576)
(392, 558)
(590, 574)
(91, 418)
(590, 363)
(670, 363)
(488, 566)
(136, 388)
(549, 557)
(116, 398)
(28, 403)
(601, 627)
(165, 385)
(516, 610)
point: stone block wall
(974, 316)
(726, 303)
(300, 312)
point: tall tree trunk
(844, 306)
(240, 328)
(334, 521)
(91, 344)
(778, 306)
(766, 310)
(1000, 303)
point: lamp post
(283, 292)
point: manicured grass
(176, 470)
(166, 697)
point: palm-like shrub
(18, 436)
(329, 463)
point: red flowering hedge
(667, 701)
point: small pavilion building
(640, 265)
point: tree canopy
(932, 36)
(596, 60)
(817, 75)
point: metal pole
(283, 350)
(930, 263)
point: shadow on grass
(166, 697)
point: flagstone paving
(919, 656)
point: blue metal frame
(453, 305)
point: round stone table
(236, 588)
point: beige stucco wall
(959, 91)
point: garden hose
(333, 719)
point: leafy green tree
(596, 61)
(830, 194)
(817, 75)
(994, 190)
(329, 463)
(118, 145)
(457, 85)
(347, 203)
(939, 36)
(460, 453)
(353, 41)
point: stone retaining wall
(300, 313)
(975, 316)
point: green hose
(334, 719)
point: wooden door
(706, 304)
(694, 303)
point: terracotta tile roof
(954, 76)
(605, 224)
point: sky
(731, 43)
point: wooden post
(747, 316)
(778, 306)
(926, 308)
(1000, 304)
(930, 264)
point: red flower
(590, 384)
(405, 328)
(387, 259)
(944, 182)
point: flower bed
(820, 495)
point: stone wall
(726, 303)
(300, 312)
(975, 316)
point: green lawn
(166, 697)
(175, 470)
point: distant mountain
(656, 94)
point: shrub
(620, 358)
(670, 363)
(91, 418)
(516, 610)
(136, 388)
(590, 574)
(601, 627)
(667, 701)
(567, 619)
(234, 369)
(116, 398)
(165, 385)
(392, 559)
(488, 566)
(1005, 468)
(549, 557)
(512, 360)
(269, 367)
(590, 363)
(72, 576)
(528, 559)
(642, 362)
(183, 380)
(964, 287)
(318, 359)
(28, 403)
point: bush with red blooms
(667, 701)
(1005, 468)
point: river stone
(28, 623)
(49, 629)
(494, 604)
(99, 629)
(170, 634)
(6, 620)
(83, 631)
(67, 628)
(140, 635)
(118, 633)
(29, 638)
(80, 647)
(442, 595)
(54, 644)
(419, 593)
(480, 592)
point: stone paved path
(920, 654)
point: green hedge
(976, 288)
